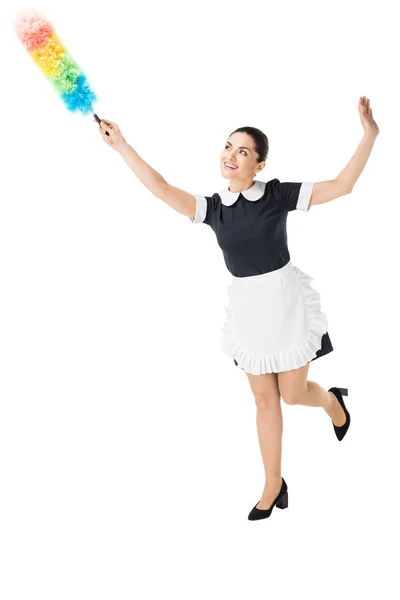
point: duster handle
(99, 121)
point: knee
(290, 395)
(267, 401)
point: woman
(274, 325)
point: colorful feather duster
(51, 56)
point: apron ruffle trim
(289, 359)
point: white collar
(255, 192)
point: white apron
(274, 321)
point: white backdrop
(129, 454)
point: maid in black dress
(274, 324)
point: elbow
(342, 186)
(160, 190)
(345, 189)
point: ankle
(330, 402)
(273, 478)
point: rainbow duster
(51, 56)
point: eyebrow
(240, 147)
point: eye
(245, 153)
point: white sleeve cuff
(303, 202)
(201, 209)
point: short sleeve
(201, 209)
(205, 206)
(294, 196)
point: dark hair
(260, 141)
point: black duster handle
(99, 121)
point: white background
(129, 458)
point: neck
(240, 186)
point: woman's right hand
(115, 139)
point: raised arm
(324, 191)
(181, 201)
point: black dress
(274, 319)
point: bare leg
(328, 401)
(269, 429)
(296, 389)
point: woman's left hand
(366, 117)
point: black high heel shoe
(281, 501)
(341, 430)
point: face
(240, 152)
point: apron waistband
(270, 274)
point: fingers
(105, 127)
(109, 131)
(107, 139)
(367, 117)
(105, 123)
(108, 125)
(365, 105)
(105, 134)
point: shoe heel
(344, 391)
(283, 502)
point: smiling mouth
(229, 168)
